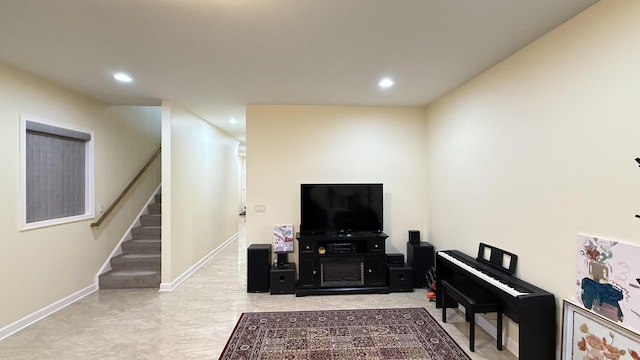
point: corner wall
(290, 145)
(41, 266)
(541, 147)
(200, 189)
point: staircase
(139, 264)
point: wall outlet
(101, 209)
(261, 208)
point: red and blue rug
(364, 334)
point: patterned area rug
(341, 334)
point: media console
(336, 264)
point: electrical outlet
(101, 209)
(261, 208)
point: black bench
(475, 300)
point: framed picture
(282, 238)
(588, 335)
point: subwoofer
(283, 279)
(258, 266)
(400, 277)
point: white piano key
(491, 280)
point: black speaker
(420, 257)
(283, 279)
(400, 278)
(258, 266)
(395, 258)
(414, 236)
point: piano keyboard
(484, 276)
(532, 308)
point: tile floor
(195, 320)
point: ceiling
(216, 56)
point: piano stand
(475, 300)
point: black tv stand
(341, 263)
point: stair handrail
(126, 189)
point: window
(57, 173)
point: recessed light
(233, 121)
(385, 83)
(122, 77)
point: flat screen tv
(341, 208)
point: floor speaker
(420, 257)
(400, 278)
(258, 266)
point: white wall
(41, 266)
(200, 189)
(541, 147)
(290, 145)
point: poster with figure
(608, 280)
(283, 238)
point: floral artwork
(597, 347)
(589, 336)
(283, 238)
(608, 280)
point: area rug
(364, 334)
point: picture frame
(588, 335)
(283, 238)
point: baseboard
(185, 275)
(46, 311)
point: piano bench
(475, 300)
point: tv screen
(341, 208)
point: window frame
(89, 212)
